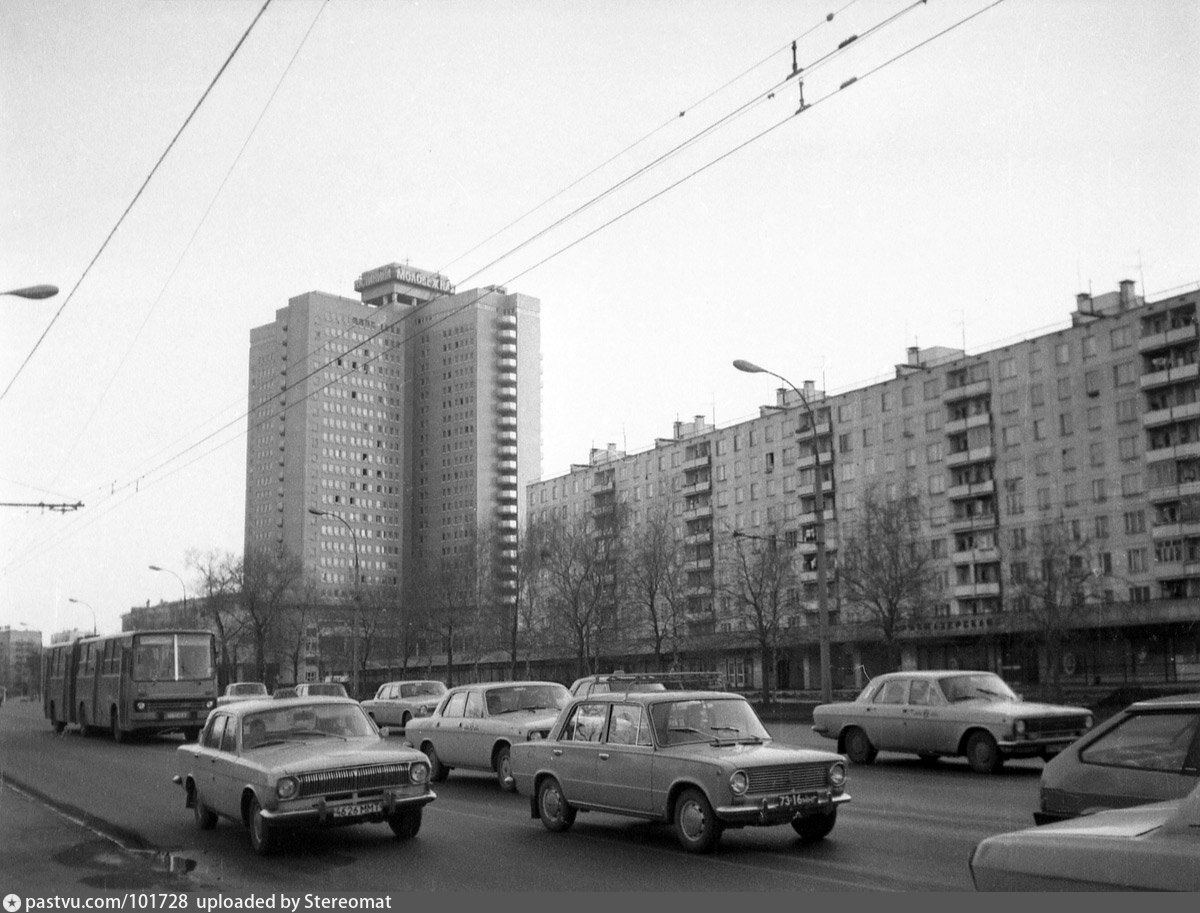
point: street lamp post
(167, 570)
(357, 599)
(95, 627)
(819, 528)
(33, 291)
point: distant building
(20, 651)
(1094, 428)
(411, 417)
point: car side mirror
(384, 731)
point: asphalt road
(910, 827)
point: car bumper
(778, 810)
(345, 812)
(1035, 747)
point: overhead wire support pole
(60, 507)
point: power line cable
(136, 196)
(844, 85)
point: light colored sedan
(395, 703)
(300, 762)
(699, 759)
(475, 726)
(243, 691)
(1143, 848)
(948, 713)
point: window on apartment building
(849, 472)
(1139, 594)
(1095, 418)
(1037, 395)
(1121, 337)
(754, 491)
(910, 457)
(755, 464)
(889, 462)
(1064, 388)
(1068, 458)
(887, 400)
(933, 388)
(889, 431)
(1168, 551)
(869, 466)
(1089, 346)
(1016, 539)
(1036, 359)
(933, 421)
(1099, 490)
(867, 436)
(1066, 424)
(1007, 368)
(1070, 499)
(1135, 522)
(1091, 383)
(1096, 453)
(845, 412)
(1100, 526)
(737, 442)
(906, 396)
(1011, 435)
(1008, 401)
(1039, 429)
(1135, 560)
(847, 500)
(1124, 374)
(1132, 484)
(1128, 447)
(1043, 498)
(739, 494)
(937, 483)
(769, 434)
(1062, 353)
(1014, 497)
(845, 444)
(1127, 411)
(934, 452)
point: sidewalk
(49, 854)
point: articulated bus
(135, 682)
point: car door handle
(556, 752)
(604, 756)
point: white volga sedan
(1144, 848)
(277, 763)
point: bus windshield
(172, 657)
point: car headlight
(210, 703)
(837, 775)
(739, 782)
(418, 772)
(1087, 721)
(140, 705)
(1019, 727)
(287, 787)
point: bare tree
(219, 576)
(885, 564)
(655, 576)
(759, 574)
(1051, 590)
(267, 583)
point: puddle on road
(105, 866)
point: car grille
(352, 779)
(1055, 724)
(170, 706)
(788, 779)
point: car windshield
(706, 720)
(172, 657)
(526, 697)
(982, 686)
(304, 722)
(421, 689)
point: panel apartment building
(1095, 428)
(411, 414)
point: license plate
(176, 715)
(357, 811)
(799, 800)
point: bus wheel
(119, 735)
(83, 721)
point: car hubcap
(552, 804)
(691, 820)
(505, 768)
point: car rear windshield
(526, 697)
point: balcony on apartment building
(697, 507)
(977, 590)
(973, 455)
(971, 490)
(963, 523)
(1168, 337)
(1172, 374)
(959, 425)
(1181, 451)
(807, 491)
(700, 485)
(811, 460)
(821, 429)
(986, 555)
(1168, 414)
(697, 462)
(967, 391)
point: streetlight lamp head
(33, 291)
(315, 512)
(748, 366)
(155, 567)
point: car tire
(858, 746)
(928, 757)
(695, 823)
(504, 770)
(812, 828)
(59, 727)
(405, 823)
(552, 806)
(84, 728)
(119, 735)
(438, 772)
(206, 818)
(983, 754)
(263, 840)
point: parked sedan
(700, 759)
(321, 689)
(293, 762)
(1148, 752)
(935, 714)
(1142, 848)
(475, 726)
(243, 691)
(395, 703)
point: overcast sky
(960, 195)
